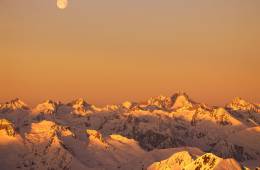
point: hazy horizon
(66, 101)
(112, 51)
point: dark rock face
(150, 140)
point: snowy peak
(95, 138)
(47, 107)
(176, 161)
(44, 148)
(239, 103)
(161, 102)
(183, 161)
(80, 104)
(242, 105)
(127, 105)
(181, 101)
(15, 104)
(81, 107)
(110, 108)
(210, 161)
(178, 101)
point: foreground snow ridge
(158, 134)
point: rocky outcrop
(207, 161)
(7, 127)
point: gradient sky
(109, 51)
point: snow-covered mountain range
(161, 133)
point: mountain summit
(243, 105)
(181, 100)
(176, 101)
(80, 102)
(47, 107)
(13, 105)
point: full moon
(62, 4)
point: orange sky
(111, 51)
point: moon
(62, 4)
